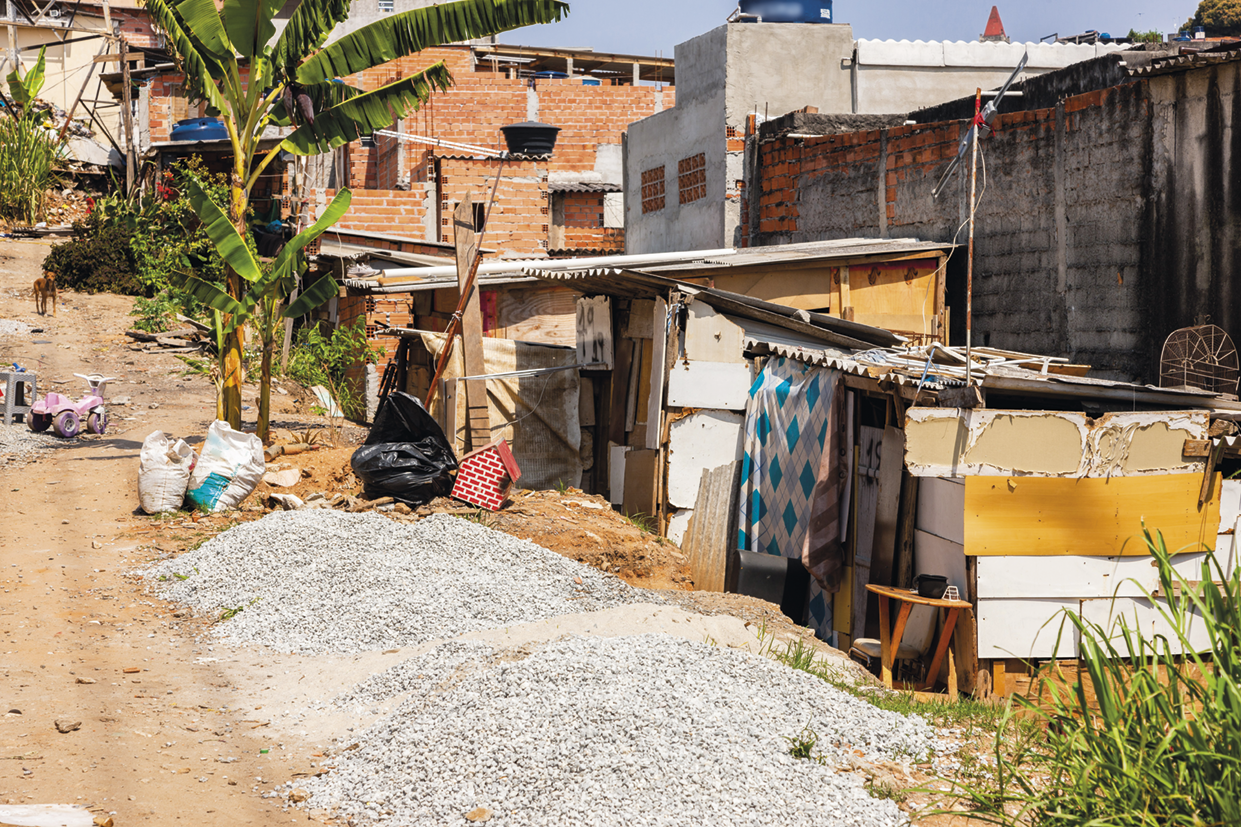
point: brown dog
(44, 289)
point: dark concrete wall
(1060, 238)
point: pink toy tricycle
(66, 415)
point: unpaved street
(153, 744)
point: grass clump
(1160, 745)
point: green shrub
(98, 259)
(1161, 744)
(316, 359)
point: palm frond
(361, 115)
(412, 31)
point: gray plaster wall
(776, 68)
(696, 124)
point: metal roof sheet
(810, 251)
(583, 186)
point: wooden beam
(127, 118)
(478, 417)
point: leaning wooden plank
(709, 540)
(1094, 517)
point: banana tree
(265, 302)
(233, 60)
(24, 87)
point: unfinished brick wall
(518, 224)
(135, 26)
(1059, 241)
(396, 212)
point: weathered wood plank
(709, 540)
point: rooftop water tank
(530, 138)
(789, 11)
(200, 129)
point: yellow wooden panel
(1091, 517)
(842, 603)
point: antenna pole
(969, 276)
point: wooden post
(127, 118)
(478, 418)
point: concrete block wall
(1059, 235)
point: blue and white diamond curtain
(787, 420)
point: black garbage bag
(406, 456)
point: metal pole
(969, 276)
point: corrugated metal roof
(582, 186)
(811, 251)
(1185, 62)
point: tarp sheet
(538, 415)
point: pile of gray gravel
(323, 581)
(19, 445)
(634, 731)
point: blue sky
(649, 26)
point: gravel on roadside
(19, 445)
(321, 581)
(641, 731)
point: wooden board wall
(546, 315)
(1100, 517)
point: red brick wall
(583, 209)
(136, 28)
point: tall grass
(28, 158)
(1161, 744)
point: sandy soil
(174, 730)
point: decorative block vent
(486, 475)
(653, 190)
(692, 178)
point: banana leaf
(231, 246)
(412, 31)
(313, 295)
(322, 96)
(201, 68)
(362, 114)
(307, 31)
(288, 257)
(249, 24)
(25, 89)
(203, 21)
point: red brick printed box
(486, 475)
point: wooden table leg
(894, 642)
(885, 643)
(945, 639)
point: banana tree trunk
(264, 428)
(234, 343)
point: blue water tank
(200, 129)
(789, 11)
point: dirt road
(155, 746)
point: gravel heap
(420, 675)
(323, 581)
(19, 445)
(634, 731)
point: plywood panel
(1025, 628)
(941, 509)
(1095, 517)
(543, 315)
(616, 473)
(719, 385)
(708, 541)
(594, 332)
(892, 462)
(935, 555)
(640, 482)
(712, 337)
(638, 324)
(659, 374)
(697, 443)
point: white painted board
(659, 376)
(1080, 577)
(719, 385)
(1229, 503)
(616, 473)
(941, 508)
(1025, 628)
(1145, 616)
(678, 524)
(700, 442)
